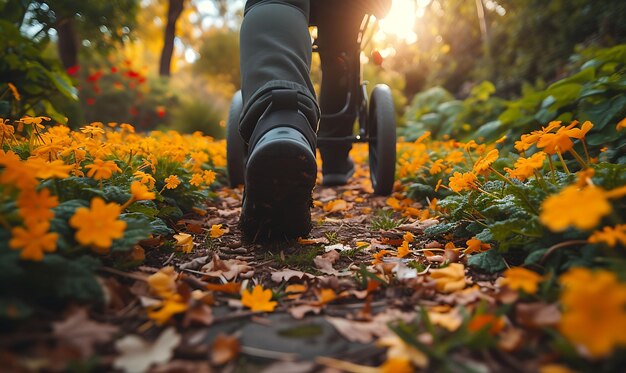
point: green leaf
(439, 229)
(489, 261)
(137, 228)
(159, 227)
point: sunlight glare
(399, 22)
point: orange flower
(37, 206)
(492, 323)
(209, 177)
(378, 257)
(196, 179)
(145, 178)
(98, 225)
(580, 133)
(48, 170)
(258, 299)
(518, 278)
(437, 167)
(559, 141)
(580, 208)
(610, 236)
(403, 250)
(476, 246)
(102, 170)
(484, 162)
(594, 311)
(34, 240)
(460, 182)
(172, 182)
(621, 125)
(525, 167)
(408, 236)
(140, 192)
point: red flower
(72, 70)
(160, 110)
(133, 111)
(91, 101)
(113, 69)
(95, 76)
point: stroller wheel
(382, 143)
(235, 146)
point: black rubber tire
(236, 149)
(382, 143)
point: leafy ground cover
(120, 251)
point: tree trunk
(173, 13)
(67, 45)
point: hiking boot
(279, 178)
(337, 166)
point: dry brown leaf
(224, 349)
(537, 315)
(228, 288)
(82, 333)
(183, 366)
(325, 262)
(137, 355)
(199, 314)
(229, 269)
(298, 312)
(365, 332)
(287, 274)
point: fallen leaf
(288, 274)
(137, 355)
(229, 269)
(224, 349)
(325, 296)
(82, 333)
(228, 288)
(537, 315)
(181, 366)
(163, 283)
(450, 278)
(298, 312)
(325, 262)
(451, 320)
(195, 264)
(398, 349)
(336, 205)
(184, 242)
(216, 231)
(312, 241)
(492, 323)
(337, 247)
(170, 306)
(199, 314)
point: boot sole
(279, 178)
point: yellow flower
(378, 257)
(145, 178)
(172, 182)
(518, 278)
(450, 278)
(437, 167)
(408, 237)
(580, 208)
(475, 245)
(216, 231)
(196, 179)
(559, 141)
(34, 240)
(48, 170)
(34, 120)
(209, 177)
(525, 167)
(484, 163)
(403, 250)
(580, 133)
(92, 130)
(258, 299)
(460, 182)
(610, 236)
(102, 170)
(594, 311)
(98, 225)
(455, 157)
(140, 192)
(37, 206)
(621, 125)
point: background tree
(175, 9)
(99, 25)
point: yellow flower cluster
(99, 152)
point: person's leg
(279, 120)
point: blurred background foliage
(470, 69)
